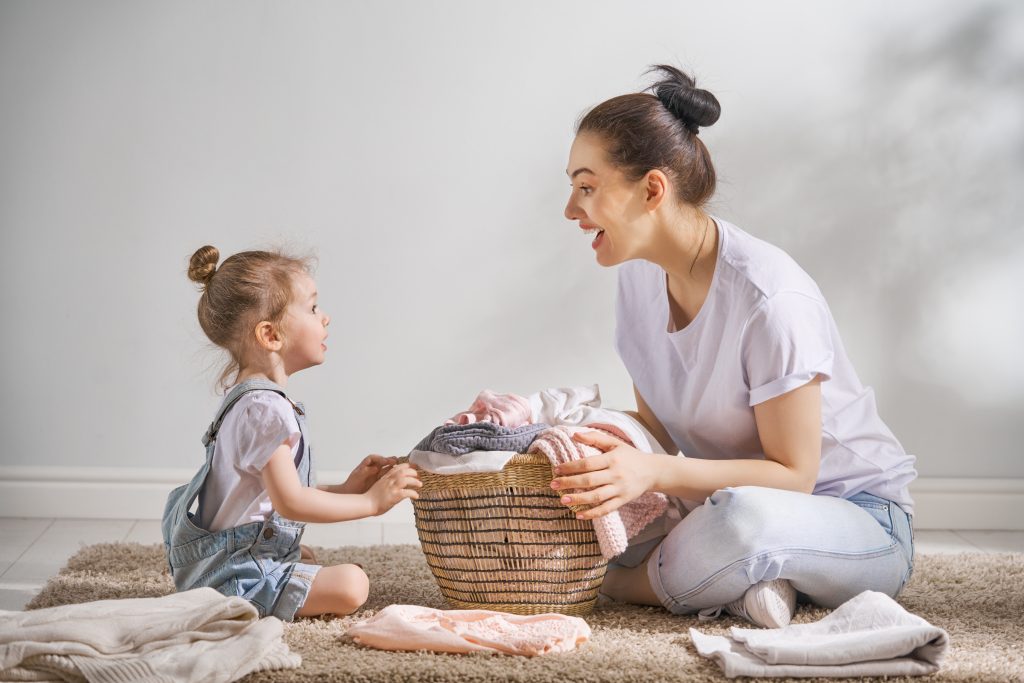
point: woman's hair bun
(203, 264)
(691, 105)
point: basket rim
(523, 470)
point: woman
(737, 363)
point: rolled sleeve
(786, 344)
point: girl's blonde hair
(247, 288)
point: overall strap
(232, 398)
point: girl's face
(605, 202)
(305, 327)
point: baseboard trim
(107, 492)
(968, 504)
(139, 493)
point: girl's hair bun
(691, 105)
(203, 264)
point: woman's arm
(789, 427)
(291, 499)
(648, 419)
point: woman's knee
(745, 518)
(722, 547)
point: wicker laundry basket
(503, 541)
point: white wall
(419, 149)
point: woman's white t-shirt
(252, 430)
(763, 330)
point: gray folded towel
(455, 439)
(868, 635)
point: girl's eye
(315, 307)
(585, 190)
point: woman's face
(604, 202)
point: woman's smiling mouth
(590, 230)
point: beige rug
(978, 599)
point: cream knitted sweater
(196, 635)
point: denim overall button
(268, 533)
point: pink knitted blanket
(616, 528)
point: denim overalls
(257, 561)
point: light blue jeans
(829, 548)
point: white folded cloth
(474, 461)
(196, 635)
(868, 635)
(581, 406)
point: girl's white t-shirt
(251, 431)
(764, 330)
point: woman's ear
(268, 336)
(656, 188)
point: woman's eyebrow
(578, 171)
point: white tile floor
(33, 550)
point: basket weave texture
(503, 541)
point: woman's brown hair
(247, 288)
(643, 132)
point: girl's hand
(366, 474)
(398, 483)
(605, 482)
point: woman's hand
(607, 481)
(366, 474)
(398, 483)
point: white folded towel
(581, 406)
(868, 635)
(196, 635)
(474, 461)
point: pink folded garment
(616, 528)
(411, 627)
(507, 410)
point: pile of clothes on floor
(496, 427)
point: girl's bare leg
(341, 590)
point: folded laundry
(581, 406)
(457, 439)
(474, 461)
(508, 410)
(868, 635)
(195, 635)
(615, 529)
(411, 627)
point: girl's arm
(789, 427)
(293, 500)
(365, 474)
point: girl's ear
(655, 185)
(268, 336)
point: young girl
(256, 487)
